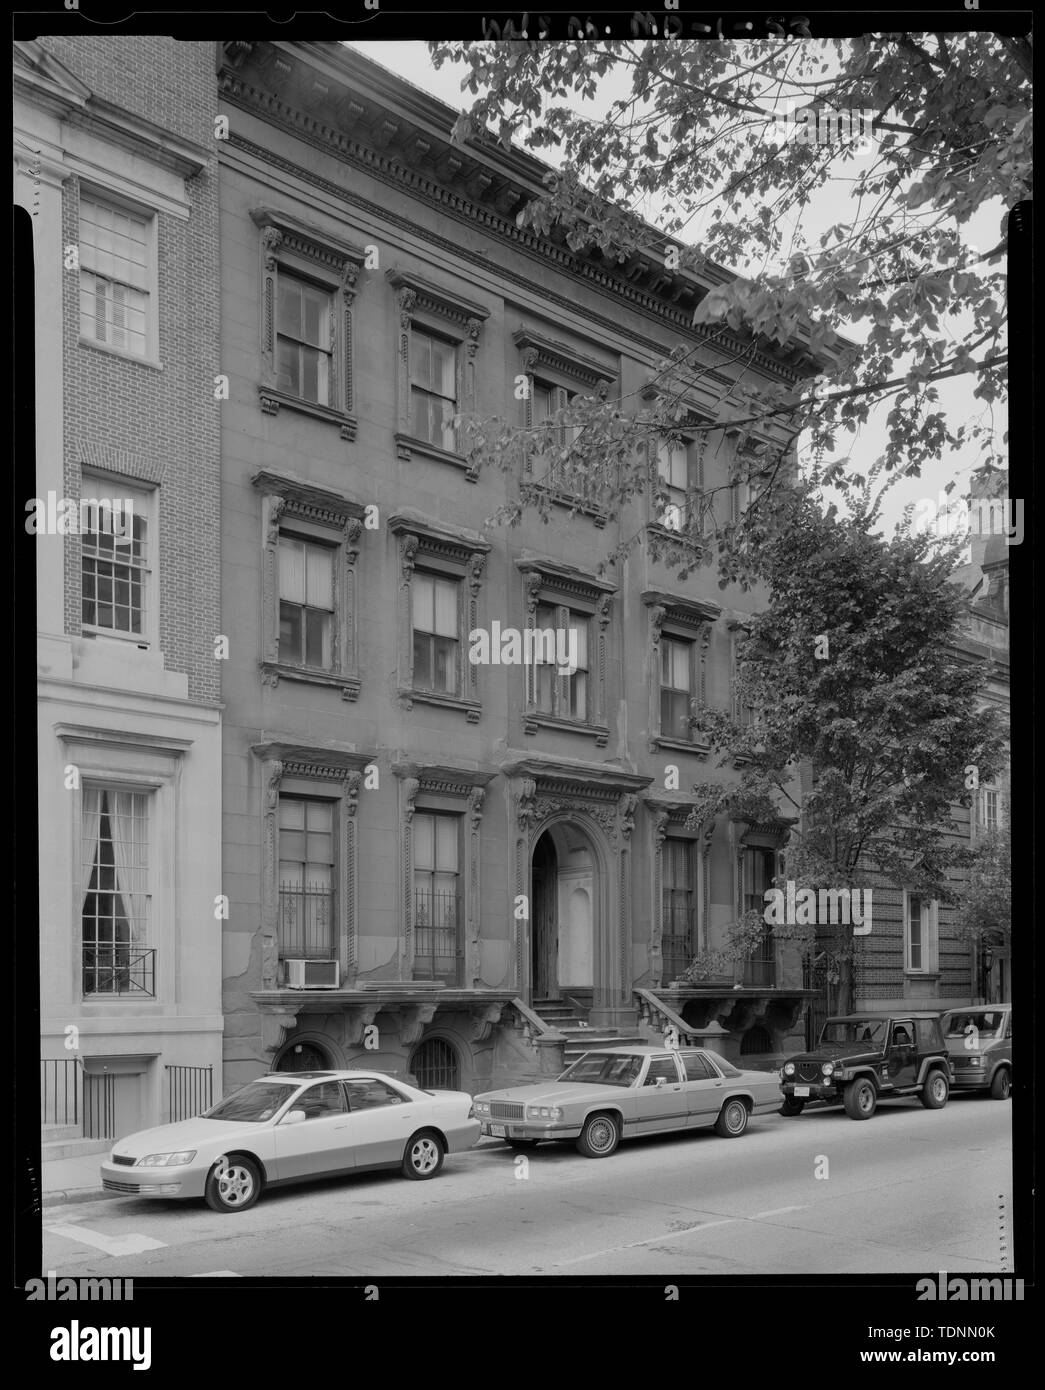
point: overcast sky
(410, 60)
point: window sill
(532, 721)
(407, 446)
(271, 400)
(127, 641)
(680, 745)
(153, 362)
(273, 671)
(668, 535)
(921, 975)
(571, 501)
(472, 708)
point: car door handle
(720, 1083)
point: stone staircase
(570, 1017)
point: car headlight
(828, 1068)
(975, 1061)
(543, 1112)
(789, 1068)
(481, 1107)
(166, 1160)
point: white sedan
(290, 1127)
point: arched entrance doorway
(562, 938)
(303, 1056)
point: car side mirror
(293, 1117)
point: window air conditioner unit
(312, 974)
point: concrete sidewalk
(72, 1180)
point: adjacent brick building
(115, 165)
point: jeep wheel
(935, 1091)
(1001, 1085)
(860, 1100)
(792, 1106)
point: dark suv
(864, 1058)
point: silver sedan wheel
(423, 1157)
(237, 1186)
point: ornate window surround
(331, 263)
(151, 764)
(693, 429)
(549, 581)
(745, 835)
(691, 621)
(673, 817)
(459, 554)
(449, 314)
(318, 513)
(567, 370)
(305, 769)
(460, 791)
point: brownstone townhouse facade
(458, 872)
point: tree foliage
(694, 139)
(984, 914)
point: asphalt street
(908, 1191)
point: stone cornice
(116, 738)
(433, 299)
(302, 493)
(45, 80)
(443, 777)
(567, 575)
(311, 759)
(679, 608)
(309, 240)
(589, 779)
(561, 358)
(406, 521)
(615, 287)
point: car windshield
(253, 1103)
(862, 1030)
(963, 1024)
(604, 1069)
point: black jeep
(864, 1058)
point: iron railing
(437, 938)
(189, 1091)
(760, 965)
(676, 941)
(61, 1089)
(99, 1105)
(118, 968)
(307, 922)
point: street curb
(77, 1194)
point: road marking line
(777, 1211)
(111, 1245)
(217, 1274)
(652, 1240)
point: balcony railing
(118, 968)
(307, 922)
(437, 936)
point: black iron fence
(307, 922)
(190, 1090)
(760, 965)
(99, 1105)
(61, 1090)
(437, 936)
(118, 968)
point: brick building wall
(159, 425)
